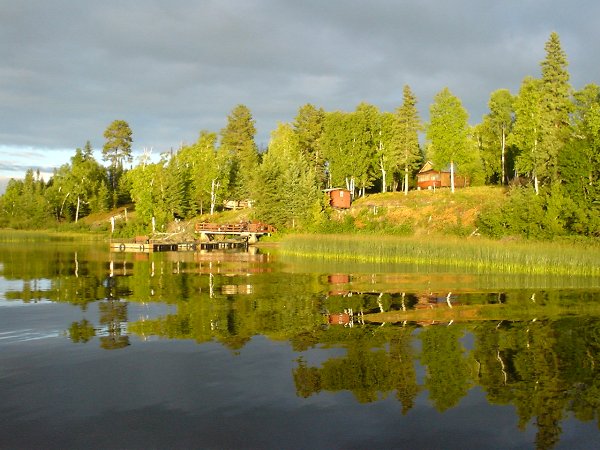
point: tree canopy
(543, 141)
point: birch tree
(447, 132)
(527, 131)
(498, 123)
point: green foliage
(493, 133)
(542, 111)
(286, 184)
(117, 148)
(81, 331)
(351, 144)
(545, 134)
(527, 130)
(80, 188)
(448, 134)
(207, 173)
(24, 205)
(406, 152)
(237, 142)
(550, 214)
(308, 125)
(447, 378)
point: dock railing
(236, 228)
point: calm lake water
(255, 350)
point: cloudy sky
(170, 69)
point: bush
(545, 216)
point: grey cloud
(68, 68)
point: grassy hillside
(426, 211)
(418, 213)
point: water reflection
(535, 348)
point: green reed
(473, 255)
(19, 236)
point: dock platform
(251, 231)
(157, 246)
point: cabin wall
(340, 198)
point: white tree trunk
(213, 195)
(381, 165)
(63, 203)
(452, 176)
(77, 210)
(406, 180)
(503, 179)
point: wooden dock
(212, 236)
(251, 231)
(151, 246)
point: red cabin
(339, 198)
(428, 178)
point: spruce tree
(308, 125)
(557, 105)
(237, 141)
(407, 128)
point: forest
(540, 147)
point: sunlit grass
(475, 255)
(16, 236)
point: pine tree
(406, 134)
(308, 125)
(117, 150)
(366, 131)
(287, 188)
(557, 105)
(237, 141)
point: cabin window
(341, 194)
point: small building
(339, 198)
(339, 319)
(428, 178)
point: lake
(253, 349)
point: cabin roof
(335, 189)
(428, 167)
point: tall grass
(472, 255)
(22, 236)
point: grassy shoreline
(8, 235)
(477, 255)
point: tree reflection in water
(541, 357)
